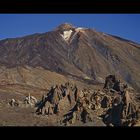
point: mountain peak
(65, 26)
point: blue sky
(17, 25)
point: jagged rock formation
(59, 98)
(116, 107)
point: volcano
(79, 53)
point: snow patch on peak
(79, 28)
(66, 35)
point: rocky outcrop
(115, 107)
(58, 99)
